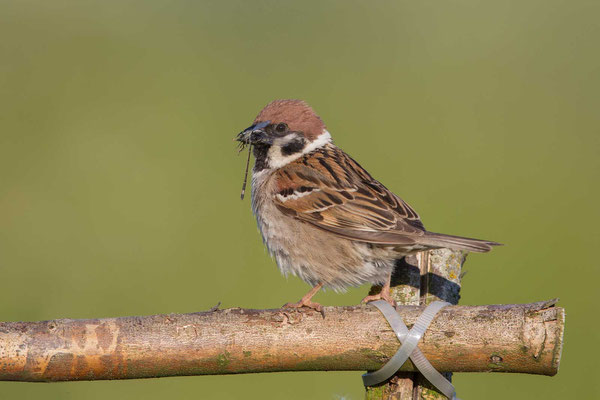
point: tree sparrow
(321, 215)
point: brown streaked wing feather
(330, 190)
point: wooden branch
(506, 338)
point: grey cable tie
(409, 340)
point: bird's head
(282, 132)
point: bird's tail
(457, 242)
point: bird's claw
(381, 296)
(308, 304)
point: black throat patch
(260, 155)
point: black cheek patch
(293, 147)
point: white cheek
(278, 160)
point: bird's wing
(333, 192)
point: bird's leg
(384, 294)
(305, 301)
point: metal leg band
(409, 340)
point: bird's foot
(383, 295)
(306, 303)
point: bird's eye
(281, 127)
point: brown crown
(298, 115)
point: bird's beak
(255, 134)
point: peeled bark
(498, 338)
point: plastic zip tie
(409, 340)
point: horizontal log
(523, 338)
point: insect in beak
(245, 173)
(248, 137)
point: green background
(119, 182)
